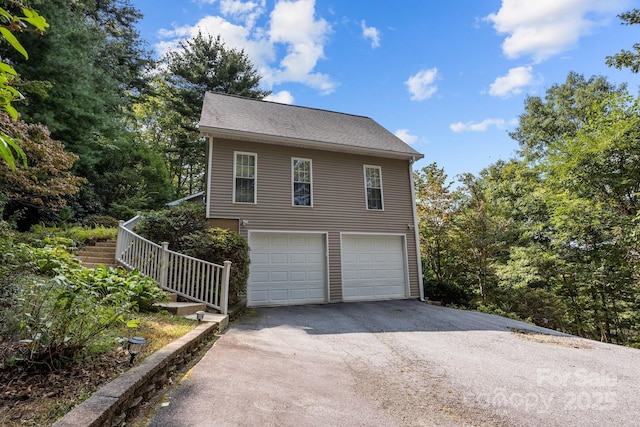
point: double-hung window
(244, 181)
(373, 185)
(301, 182)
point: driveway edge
(120, 399)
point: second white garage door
(373, 267)
(287, 268)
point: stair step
(106, 244)
(98, 249)
(101, 259)
(182, 308)
(209, 317)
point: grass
(51, 395)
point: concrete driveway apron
(402, 363)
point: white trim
(293, 159)
(417, 232)
(403, 237)
(207, 188)
(303, 143)
(366, 194)
(255, 178)
(327, 286)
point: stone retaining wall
(121, 399)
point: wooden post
(224, 288)
(119, 241)
(164, 265)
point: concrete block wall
(121, 399)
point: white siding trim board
(207, 190)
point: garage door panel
(289, 268)
(261, 277)
(373, 267)
(298, 276)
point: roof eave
(304, 143)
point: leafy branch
(28, 21)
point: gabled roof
(234, 117)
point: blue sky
(448, 77)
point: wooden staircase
(103, 253)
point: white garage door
(287, 268)
(373, 267)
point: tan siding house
(325, 200)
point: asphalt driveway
(402, 363)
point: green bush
(77, 235)
(57, 318)
(218, 245)
(187, 231)
(56, 308)
(171, 225)
(447, 293)
(100, 221)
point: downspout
(415, 229)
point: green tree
(135, 178)
(83, 77)
(583, 141)
(201, 64)
(483, 234)
(442, 259)
(39, 189)
(627, 58)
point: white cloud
(545, 28)
(283, 97)
(371, 33)
(513, 82)
(482, 126)
(404, 135)
(291, 27)
(248, 11)
(422, 85)
(293, 24)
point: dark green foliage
(448, 293)
(172, 224)
(133, 177)
(217, 245)
(100, 220)
(65, 89)
(80, 82)
(551, 238)
(187, 231)
(201, 64)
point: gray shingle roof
(245, 118)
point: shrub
(171, 225)
(447, 293)
(58, 318)
(57, 308)
(218, 245)
(76, 236)
(100, 221)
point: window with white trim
(244, 181)
(373, 185)
(301, 182)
